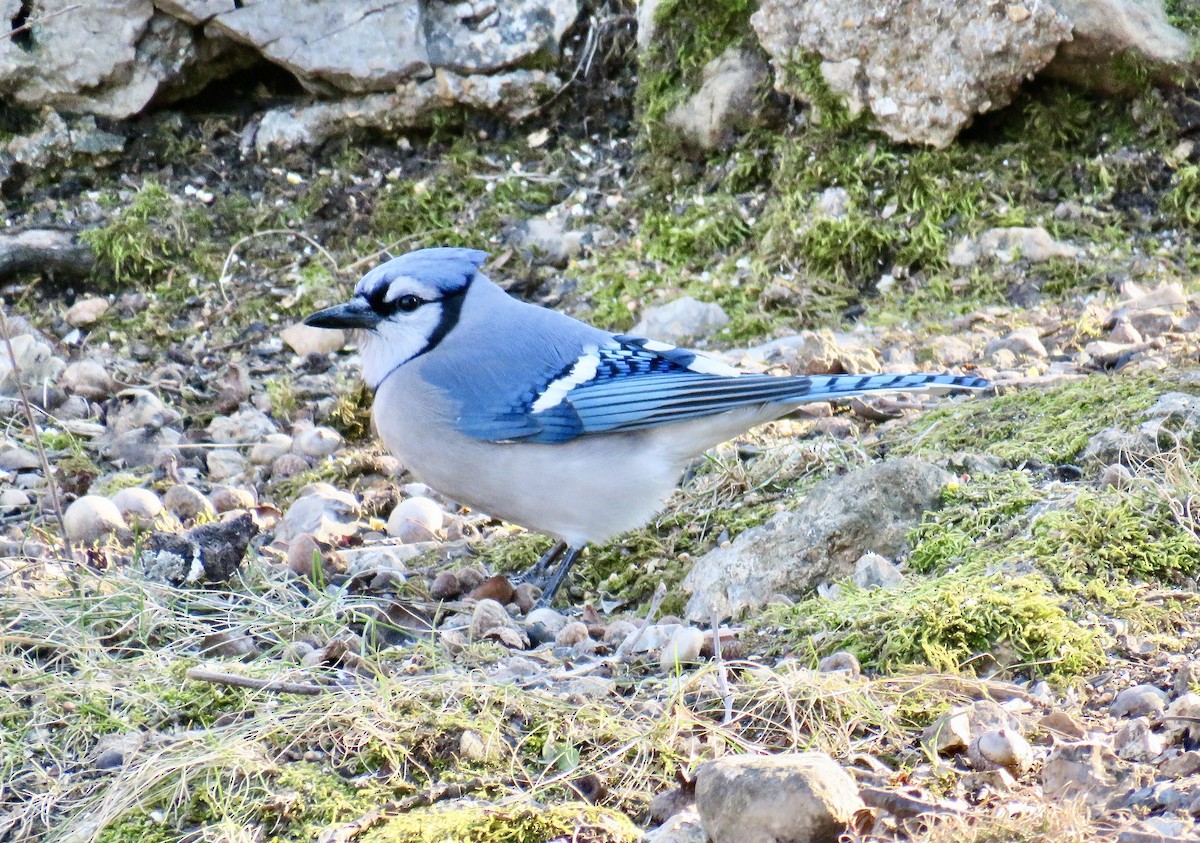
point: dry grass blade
(51, 485)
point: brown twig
(216, 677)
(33, 431)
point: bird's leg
(536, 572)
(558, 576)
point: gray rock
(36, 363)
(241, 428)
(1023, 342)
(271, 447)
(1187, 729)
(924, 69)
(1139, 701)
(495, 36)
(414, 105)
(841, 519)
(873, 571)
(1088, 772)
(954, 731)
(324, 512)
(681, 320)
(804, 796)
(415, 519)
(88, 378)
(187, 502)
(726, 104)
(1009, 244)
(195, 12)
(142, 446)
(816, 353)
(12, 500)
(75, 50)
(1114, 446)
(315, 442)
(19, 459)
(1004, 749)
(91, 518)
(138, 504)
(1136, 741)
(224, 464)
(1111, 34)
(357, 46)
(547, 239)
(139, 408)
(682, 827)
(490, 620)
(87, 311)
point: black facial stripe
(451, 311)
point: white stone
(305, 339)
(683, 649)
(415, 519)
(316, 442)
(224, 464)
(243, 427)
(138, 503)
(681, 320)
(273, 445)
(91, 518)
(86, 312)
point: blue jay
(534, 417)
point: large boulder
(923, 68)
(871, 509)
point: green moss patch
(1050, 425)
(483, 824)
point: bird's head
(405, 307)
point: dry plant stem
(33, 431)
(229, 257)
(29, 24)
(629, 643)
(722, 676)
(349, 831)
(216, 677)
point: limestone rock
(138, 504)
(1088, 772)
(412, 106)
(725, 105)
(357, 46)
(871, 509)
(195, 12)
(415, 519)
(1009, 244)
(241, 428)
(485, 37)
(88, 378)
(1113, 34)
(681, 320)
(35, 361)
(86, 312)
(765, 799)
(323, 512)
(924, 68)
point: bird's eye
(409, 303)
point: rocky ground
(968, 618)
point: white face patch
(556, 391)
(406, 286)
(396, 340)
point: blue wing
(631, 384)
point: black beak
(355, 313)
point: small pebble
(1004, 748)
(488, 616)
(493, 588)
(445, 586)
(316, 442)
(571, 634)
(270, 448)
(136, 503)
(1139, 701)
(415, 519)
(230, 498)
(683, 649)
(288, 465)
(92, 518)
(301, 552)
(86, 312)
(187, 502)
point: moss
(944, 623)
(1182, 201)
(1183, 14)
(1051, 425)
(687, 37)
(485, 824)
(351, 414)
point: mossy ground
(1017, 572)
